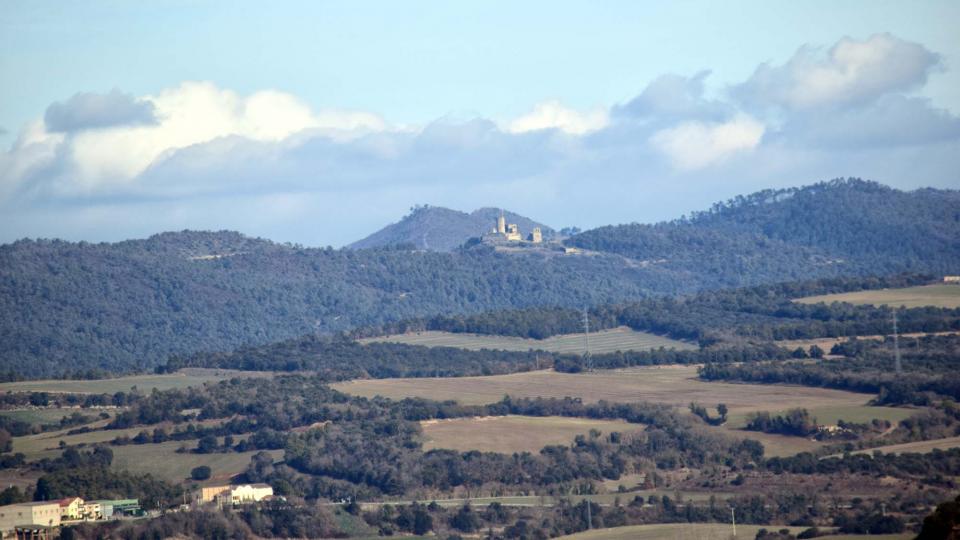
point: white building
(45, 513)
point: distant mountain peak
(437, 228)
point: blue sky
(319, 122)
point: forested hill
(70, 307)
(862, 226)
(442, 229)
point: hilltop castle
(511, 233)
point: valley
(450, 387)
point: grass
(509, 434)
(143, 383)
(46, 416)
(684, 531)
(46, 444)
(604, 341)
(674, 385)
(919, 447)
(827, 343)
(163, 461)
(774, 445)
(939, 295)
(830, 415)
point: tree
(207, 445)
(422, 521)
(722, 411)
(200, 473)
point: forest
(863, 225)
(128, 306)
(763, 312)
(929, 363)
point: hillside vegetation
(67, 308)
(841, 226)
(70, 307)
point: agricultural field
(774, 445)
(163, 461)
(679, 531)
(919, 447)
(47, 444)
(827, 343)
(831, 415)
(50, 415)
(144, 383)
(939, 295)
(604, 341)
(675, 385)
(509, 434)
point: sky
(320, 122)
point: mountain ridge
(72, 307)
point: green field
(50, 416)
(143, 383)
(163, 461)
(604, 341)
(509, 434)
(939, 295)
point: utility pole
(896, 346)
(733, 520)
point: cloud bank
(113, 165)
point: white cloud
(695, 145)
(192, 113)
(207, 157)
(553, 115)
(850, 72)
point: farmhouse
(71, 508)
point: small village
(41, 520)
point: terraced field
(509, 434)
(939, 295)
(604, 341)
